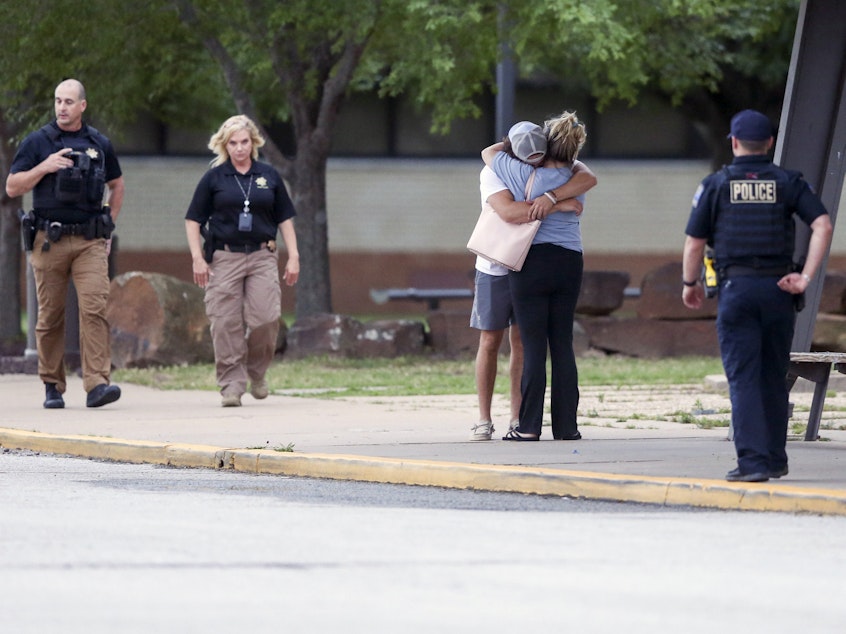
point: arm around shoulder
(490, 152)
(582, 181)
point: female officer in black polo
(244, 203)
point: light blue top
(560, 227)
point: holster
(208, 244)
(28, 229)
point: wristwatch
(686, 283)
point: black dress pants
(544, 294)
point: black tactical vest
(80, 187)
(753, 222)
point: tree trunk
(11, 334)
(309, 197)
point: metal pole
(505, 79)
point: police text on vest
(753, 191)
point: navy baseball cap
(750, 125)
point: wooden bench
(816, 367)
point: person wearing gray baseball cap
(545, 291)
(493, 309)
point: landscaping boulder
(833, 293)
(661, 296)
(450, 332)
(325, 333)
(602, 292)
(391, 338)
(829, 333)
(341, 335)
(157, 319)
(652, 338)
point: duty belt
(250, 247)
(737, 270)
(62, 228)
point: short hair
(74, 82)
(219, 139)
(754, 147)
(566, 135)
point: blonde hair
(219, 139)
(566, 135)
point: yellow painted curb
(715, 494)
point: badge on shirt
(261, 182)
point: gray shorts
(492, 309)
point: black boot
(54, 399)
(103, 394)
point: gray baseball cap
(528, 142)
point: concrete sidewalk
(631, 450)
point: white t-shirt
(489, 184)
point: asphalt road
(97, 547)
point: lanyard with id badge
(245, 218)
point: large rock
(450, 332)
(391, 338)
(829, 333)
(833, 293)
(652, 338)
(341, 335)
(325, 333)
(157, 320)
(602, 292)
(661, 296)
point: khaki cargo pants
(243, 303)
(86, 263)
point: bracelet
(686, 283)
(807, 277)
(551, 197)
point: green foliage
(131, 57)
(667, 46)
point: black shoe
(778, 473)
(735, 475)
(103, 394)
(513, 434)
(576, 436)
(54, 398)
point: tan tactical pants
(243, 303)
(86, 263)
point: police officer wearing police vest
(69, 166)
(746, 212)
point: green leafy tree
(708, 59)
(297, 61)
(131, 58)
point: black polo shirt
(219, 200)
(37, 146)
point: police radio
(80, 183)
(71, 181)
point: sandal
(513, 434)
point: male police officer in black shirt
(68, 165)
(745, 211)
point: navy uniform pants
(755, 324)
